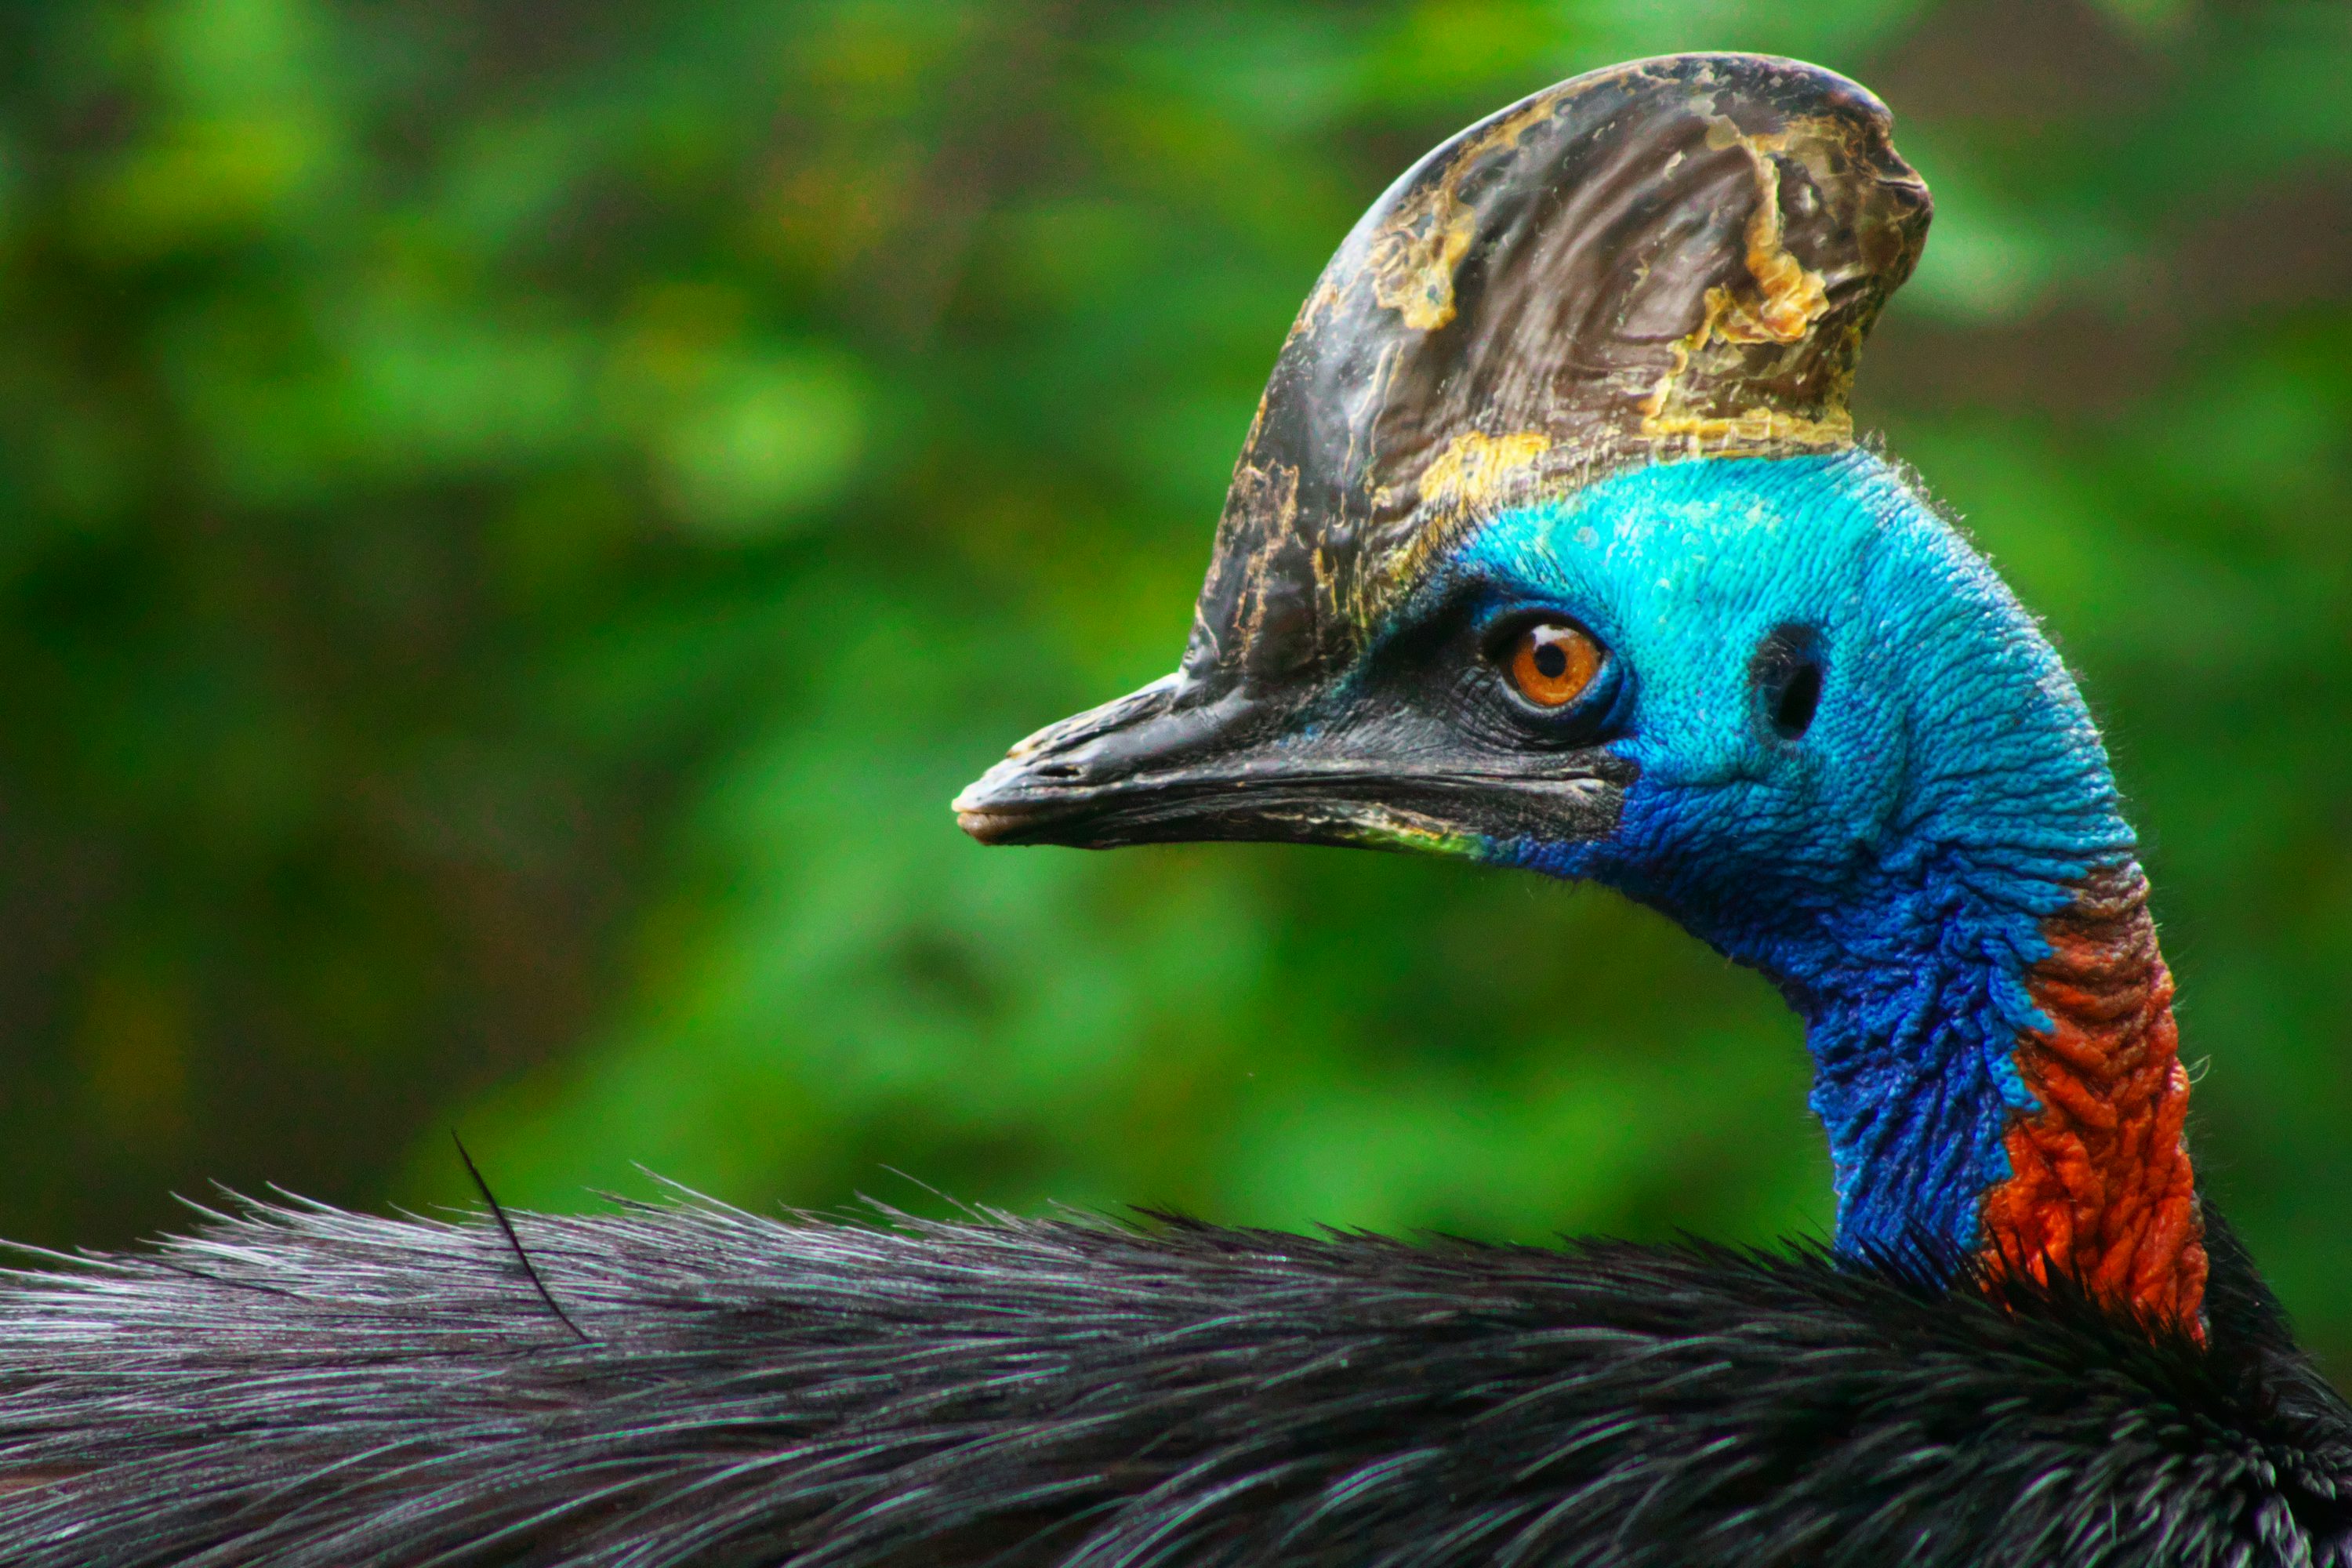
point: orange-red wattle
(2101, 1186)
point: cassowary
(1550, 546)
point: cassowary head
(1551, 546)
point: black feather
(506, 1228)
(301, 1387)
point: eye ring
(1550, 663)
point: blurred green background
(516, 517)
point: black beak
(1154, 768)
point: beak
(1156, 768)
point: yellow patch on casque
(1413, 275)
(1789, 298)
(1414, 256)
(1475, 466)
(1461, 483)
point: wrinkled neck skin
(1936, 875)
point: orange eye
(1552, 663)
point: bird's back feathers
(304, 1388)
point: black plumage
(306, 1388)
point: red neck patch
(2102, 1188)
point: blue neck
(1910, 974)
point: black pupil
(1552, 660)
(1794, 712)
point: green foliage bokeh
(517, 517)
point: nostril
(1057, 771)
(1787, 670)
(1794, 714)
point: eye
(1552, 663)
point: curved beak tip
(971, 815)
(988, 827)
(980, 807)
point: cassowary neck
(2008, 1082)
(1935, 871)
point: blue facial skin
(1890, 869)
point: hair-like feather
(302, 1387)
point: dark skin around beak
(1152, 768)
